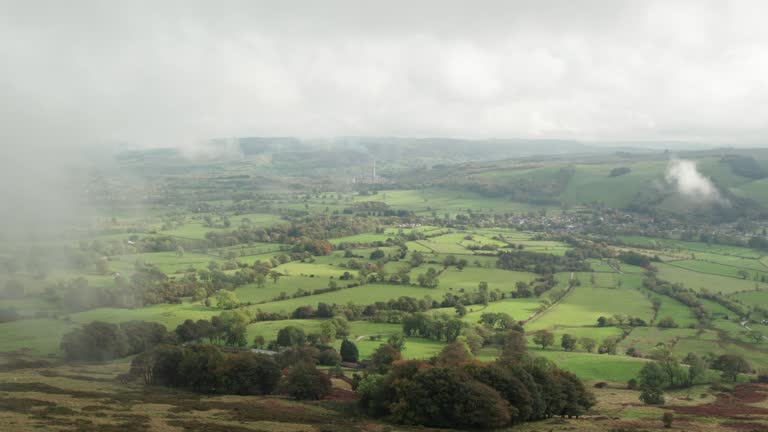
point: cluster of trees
(9, 314)
(635, 259)
(100, 341)
(228, 328)
(569, 342)
(620, 320)
(311, 227)
(541, 285)
(667, 371)
(676, 291)
(433, 326)
(540, 263)
(745, 166)
(206, 368)
(534, 191)
(453, 390)
(620, 171)
(429, 278)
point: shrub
(667, 419)
(305, 382)
(652, 395)
(667, 322)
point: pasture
(704, 281)
(585, 304)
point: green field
(585, 304)
(595, 367)
(713, 283)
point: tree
(235, 335)
(568, 342)
(608, 346)
(290, 336)
(397, 340)
(453, 355)
(522, 289)
(200, 294)
(348, 351)
(187, 331)
(461, 310)
(382, 358)
(428, 279)
(328, 331)
(588, 344)
(341, 325)
(652, 375)
(226, 299)
(652, 396)
(731, 365)
(305, 382)
(667, 322)
(417, 258)
(275, 276)
(443, 397)
(544, 338)
(259, 341)
(250, 374)
(377, 254)
(261, 280)
(96, 341)
(514, 347)
(328, 357)
(696, 367)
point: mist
(689, 182)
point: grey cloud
(175, 73)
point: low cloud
(689, 182)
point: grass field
(470, 277)
(445, 200)
(691, 247)
(585, 304)
(168, 262)
(720, 269)
(595, 367)
(40, 337)
(169, 315)
(759, 298)
(644, 339)
(713, 283)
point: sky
(173, 73)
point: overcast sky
(165, 73)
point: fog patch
(689, 182)
(218, 149)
